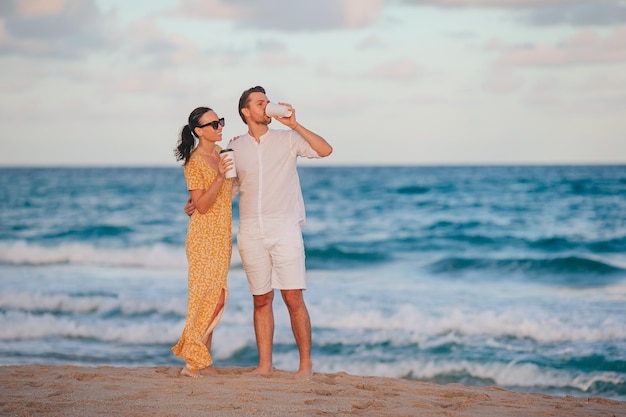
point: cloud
(267, 52)
(586, 47)
(371, 42)
(146, 45)
(59, 28)
(547, 12)
(603, 82)
(30, 8)
(288, 15)
(502, 80)
(401, 70)
(271, 46)
(358, 13)
(213, 9)
(579, 14)
(156, 83)
(278, 60)
(504, 3)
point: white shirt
(267, 179)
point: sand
(30, 390)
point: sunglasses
(214, 124)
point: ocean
(513, 276)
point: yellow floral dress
(209, 248)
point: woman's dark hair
(245, 98)
(187, 139)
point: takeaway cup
(232, 172)
(277, 110)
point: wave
(555, 349)
(513, 374)
(18, 326)
(40, 316)
(559, 243)
(617, 245)
(490, 234)
(516, 374)
(35, 314)
(333, 257)
(567, 265)
(414, 189)
(90, 232)
(103, 304)
(154, 256)
(510, 329)
(573, 270)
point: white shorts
(273, 260)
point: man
(271, 217)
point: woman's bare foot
(208, 371)
(192, 373)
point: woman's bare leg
(192, 373)
(218, 308)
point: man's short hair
(245, 98)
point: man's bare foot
(192, 373)
(263, 370)
(209, 370)
(306, 372)
(306, 369)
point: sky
(385, 82)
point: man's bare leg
(301, 327)
(264, 330)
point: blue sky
(419, 82)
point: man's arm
(317, 142)
(190, 207)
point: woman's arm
(204, 199)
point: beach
(513, 277)
(48, 390)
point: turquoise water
(508, 276)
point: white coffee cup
(232, 172)
(277, 110)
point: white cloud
(585, 48)
(287, 15)
(371, 42)
(358, 13)
(59, 28)
(32, 8)
(503, 80)
(136, 72)
(399, 71)
(547, 12)
(505, 3)
(559, 74)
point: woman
(209, 237)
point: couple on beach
(271, 216)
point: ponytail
(186, 142)
(185, 145)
